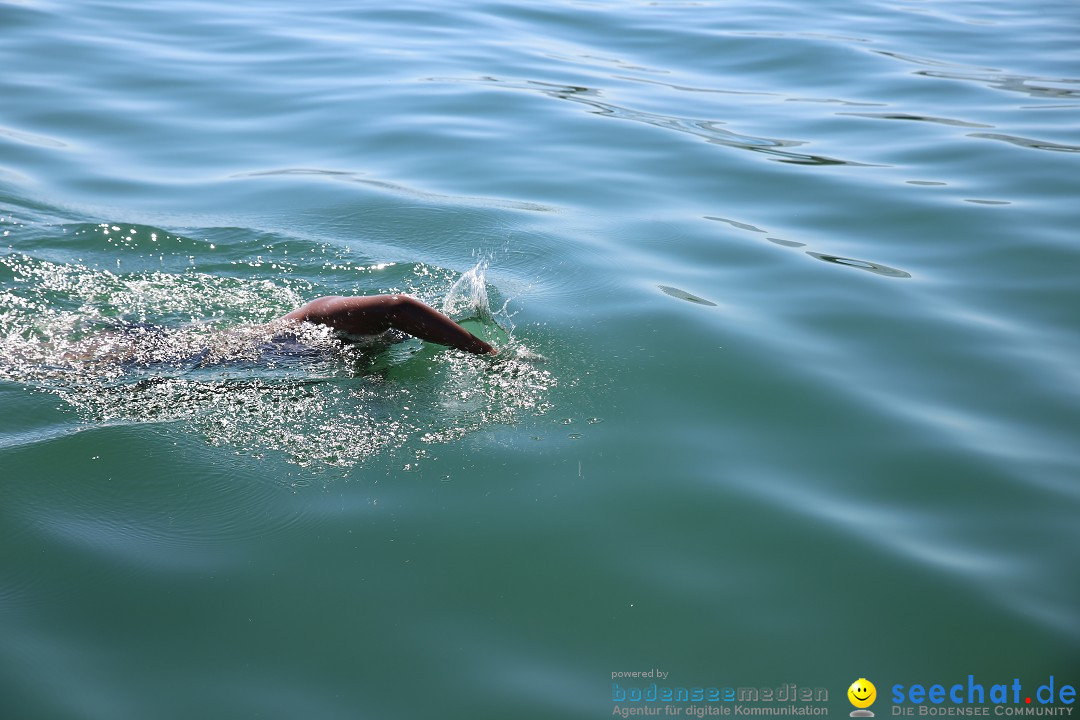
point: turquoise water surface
(787, 299)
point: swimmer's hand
(374, 314)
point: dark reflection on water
(683, 295)
(736, 224)
(876, 268)
(1028, 142)
(917, 118)
(1028, 85)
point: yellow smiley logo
(862, 693)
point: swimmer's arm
(373, 314)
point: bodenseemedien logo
(862, 695)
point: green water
(787, 297)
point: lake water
(787, 295)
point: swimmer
(142, 344)
(375, 314)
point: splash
(467, 301)
(468, 295)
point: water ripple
(708, 130)
(1028, 142)
(1030, 85)
(868, 265)
(358, 177)
(918, 118)
(31, 138)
